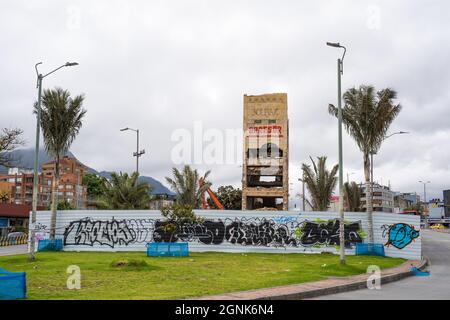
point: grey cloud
(160, 66)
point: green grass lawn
(176, 278)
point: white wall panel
(232, 231)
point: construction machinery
(211, 195)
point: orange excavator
(211, 195)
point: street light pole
(424, 190)
(340, 71)
(137, 150)
(425, 210)
(138, 153)
(303, 192)
(36, 156)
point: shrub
(124, 263)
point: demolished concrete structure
(265, 180)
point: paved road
(10, 250)
(436, 246)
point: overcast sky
(162, 65)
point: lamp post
(138, 153)
(36, 154)
(340, 71)
(303, 192)
(424, 190)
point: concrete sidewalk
(318, 288)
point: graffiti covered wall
(232, 231)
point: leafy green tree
(352, 197)
(416, 207)
(186, 185)
(367, 116)
(95, 185)
(320, 182)
(61, 121)
(125, 192)
(176, 216)
(65, 205)
(229, 197)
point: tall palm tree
(352, 196)
(367, 116)
(186, 185)
(61, 121)
(126, 192)
(320, 182)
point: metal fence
(11, 241)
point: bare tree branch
(10, 139)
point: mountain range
(24, 159)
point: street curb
(347, 287)
(344, 288)
(312, 293)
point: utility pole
(340, 71)
(138, 153)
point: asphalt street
(436, 246)
(10, 250)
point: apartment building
(383, 198)
(20, 183)
(71, 172)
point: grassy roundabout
(132, 275)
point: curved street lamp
(340, 71)
(36, 152)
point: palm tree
(320, 182)
(367, 116)
(187, 186)
(126, 192)
(352, 196)
(61, 121)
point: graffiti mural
(89, 232)
(279, 232)
(257, 232)
(327, 233)
(399, 235)
(208, 232)
(254, 231)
